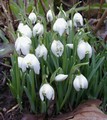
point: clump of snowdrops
(54, 64)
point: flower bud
(60, 26)
(78, 19)
(41, 51)
(57, 48)
(80, 82)
(32, 17)
(84, 48)
(49, 16)
(47, 91)
(61, 77)
(38, 29)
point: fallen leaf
(85, 111)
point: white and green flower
(25, 30)
(32, 17)
(61, 77)
(84, 48)
(60, 26)
(49, 16)
(80, 82)
(46, 91)
(57, 48)
(22, 45)
(41, 51)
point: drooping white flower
(60, 26)
(57, 48)
(49, 16)
(46, 91)
(41, 51)
(78, 19)
(70, 45)
(38, 29)
(32, 17)
(79, 82)
(31, 61)
(84, 48)
(61, 77)
(25, 30)
(22, 45)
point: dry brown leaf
(86, 111)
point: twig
(2, 115)
(5, 65)
(43, 6)
(10, 28)
(98, 26)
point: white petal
(21, 64)
(89, 49)
(81, 50)
(57, 48)
(76, 83)
(32, 17)
(18, 46)
(49, 16)
(83, 82)
(61, 77)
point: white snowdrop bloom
(21, 64)
(41, 51)
(57, 48)
(25, 30)
(46, 91)
(79, 82)
(60, 26)
(84, 48)
(49, 16)
(31, 61)
(78, 19)
(61, 77)
(32, 17)
(22, 45)
(70, 45)
(38, 29)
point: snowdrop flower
(22, 45)
(61, 77)
(60, 26)
(25, 30)
(80, 82)
(38, 29)
(47, 91)
(31, 61)
(84, 48)
(32, 17)
(57, 48)
(70, 45)
(41, 51)
(78, 19)
(49, 16)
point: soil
(8, 106)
